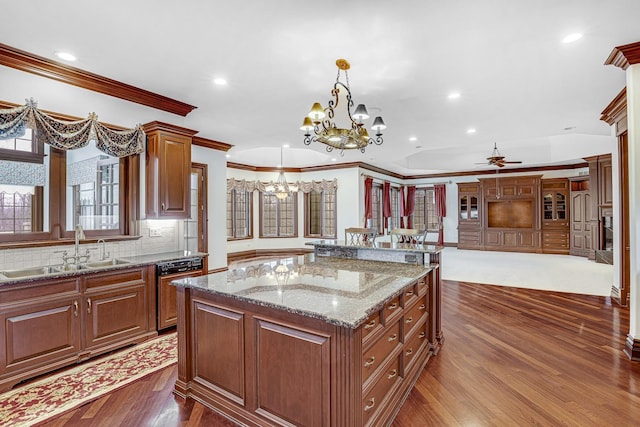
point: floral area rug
(38, 401)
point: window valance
(305, 187)
(65, 135)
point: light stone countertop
(342, 292)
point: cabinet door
(167, 310)
(175, 174)
(35, 335)
(288, 391)
(114, 315)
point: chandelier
(281, 188)
(325, 130)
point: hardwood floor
(511, 357)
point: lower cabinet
(51, 323)
(167, 312)
(266, 367)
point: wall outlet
(154, 232)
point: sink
(28, 272)
(69, 267)
(106, 263)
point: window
(320, 214)
(278, 218)
(395, 208)
(376, 207)
(239, 208)
(81, 186)
(424, 215)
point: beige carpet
(561, 273)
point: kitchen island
(307, 340)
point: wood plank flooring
(512, 357)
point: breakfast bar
(305, 340)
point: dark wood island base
(262, 365)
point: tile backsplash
(167, 237)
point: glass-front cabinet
(554, 205)
(468, 207)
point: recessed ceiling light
(228, 155)
(471, 130)
(454, 95)
(572, 37)
(65, 56)
(285, 145)
(334, 159)
(220, 81)
(413, 138)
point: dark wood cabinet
(555, 215)
(267, 367)
(168, 171)
(167, 311)
(469, 215)
(52, 323)
(581, 205)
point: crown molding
(167, 127)
(210, 143)
(623, 56)
(44, 67)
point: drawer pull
(89, 305)
(370, 324)
(75, 308)
(422, 335)
(370, 361)
(409, 293)
(392, 306)
(422, 307)
(393, 337)
(370, 405)
(409, 320)
(392, 374)
(409, 352)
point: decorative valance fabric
(70, 135)
(305, 187)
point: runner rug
(38, 401)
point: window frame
(294, 204)
(323, 212)
(129, 182)
(376, 208)
(249, 216)
(427, 212)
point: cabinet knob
(422, 307)
(369, 406)
(409, 320)
(370, 361)
(392, 306)
(88, 305)
(422, 335)
(408, 352)
(409, 293)
(75, 308)
(393, 337)
(392, 374)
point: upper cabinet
(168, 171)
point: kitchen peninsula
(307, 340)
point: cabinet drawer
(413, 315)
(371, 325)
(391, 309)
(410, 295)
(414, 344)
(384, 381)
(134, 276)
(423, 285)
(378, 352)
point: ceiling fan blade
(514, 162)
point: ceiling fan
(498, 159)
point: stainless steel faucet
(79, 236)
(103, 250)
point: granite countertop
(342, 292)
(132, 261)
(385, 246)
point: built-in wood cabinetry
(555, 215)
(51, 323)
(469, 215)
(268, 367)
(168, 171)
(507, 217)
(600, 179)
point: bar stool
(359, 236)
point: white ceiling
(521, 87)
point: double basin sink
(63, 268)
